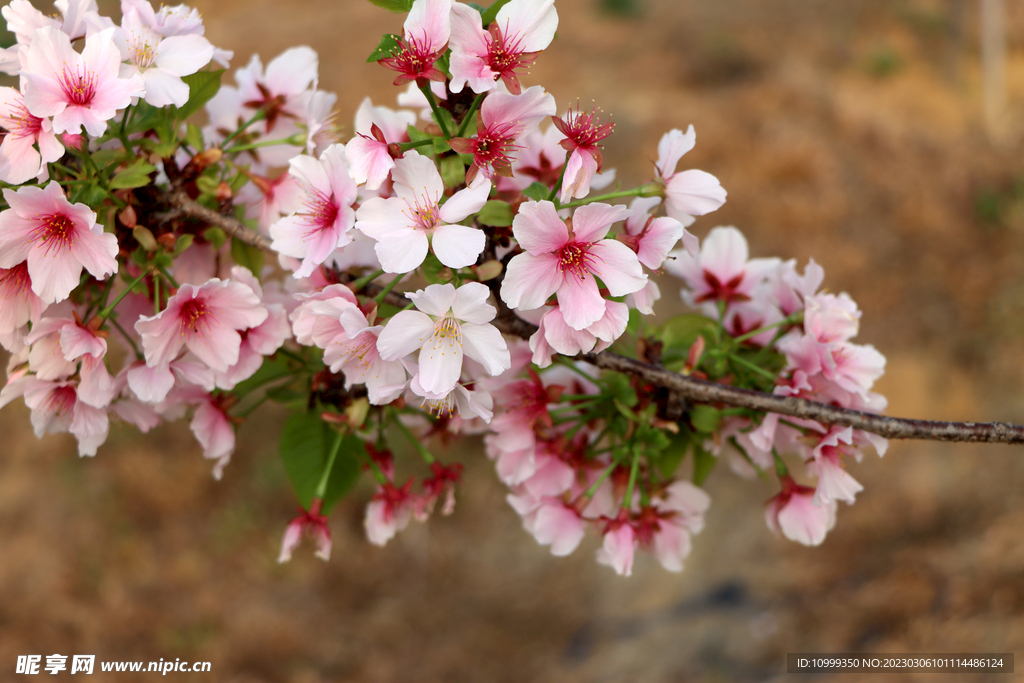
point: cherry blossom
(370, 152)
(77, 90)
(503, 119)
(687, 193)
(160, 61)
(309, 523)
(56, 238)
(794, 513)
(449, 322)
(520, 31)
(328, 193)
(19, 159)
(426, 33)
(406, 225)
(582, 133)
(207, 319)
(566, 261)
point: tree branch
(686, 387)
(229, 224)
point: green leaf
(207, 184)
(146, 117)
(703, 463)
(106, 157)
(271, 367)
(202, 86)
(495, 213)
(450, 126)
(303, 447)
(216, 237)
(415, 134)
(491, 13)
(248, 256)
(194, 137)
(183, 243)
(389, 46)
(537, 192)
(620, 387)
(435, 272)
(346, 469)
(136, 175)
(395, 6)
(678, 334)
(668, 460)
(453, 171)
(705, 418)
(443, 64)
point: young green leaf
(396, 6)
(136, 175)
(303, 447)
(248, 256)
(202, 86)
(495, 213)
(389, 46)
(537, 192)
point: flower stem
(633, 471)
(750, 366)
(170, 278)
(792, 318)
(387, 288)
(127, 337)
(406, 146)
(645, 190)
(424, 453)
(437, 113)
(258, 116)
(105, 313)
(469, 114)
(321, 488)
(558, 185)
(357, 285)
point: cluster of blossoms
(128, 222)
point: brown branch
(229, 224)
(686, 387)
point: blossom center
(79, 85)
(575, 259)
(55, 231)
(504, 56)
(321, 213)
(20, 123)
(448, 328)
(193, 315)
(143, 49)
(14, 281)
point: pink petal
(404, 333)
(618, 267)
(485, 345)
(580, 301)
(591, 223)
(458, 246)
(530, 280)
(538, 229)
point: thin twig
(688, 388)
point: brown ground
(850, 132)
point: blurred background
(865, 134)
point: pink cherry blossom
(582, 133)
(327, 197)
(619, 545)
(214, 432)
(369, 153)
(77, 90)
(160, 61)
(389, 512)
(795, 514)
(259, 341)
(311, 524)
(56, 408)
(555, 336)
(687, 193)
(20, 304)
(349, 340)
(206, 319)
(721, 271)
(77, 17)
(152, 384)
(404, 225)
(449, 323)
(834, 482)
(566, 261)
(426, 30)
(653, 238)
(56, 238)
(503, 119)
(521, 29)
(19, 159)
(176, 20)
